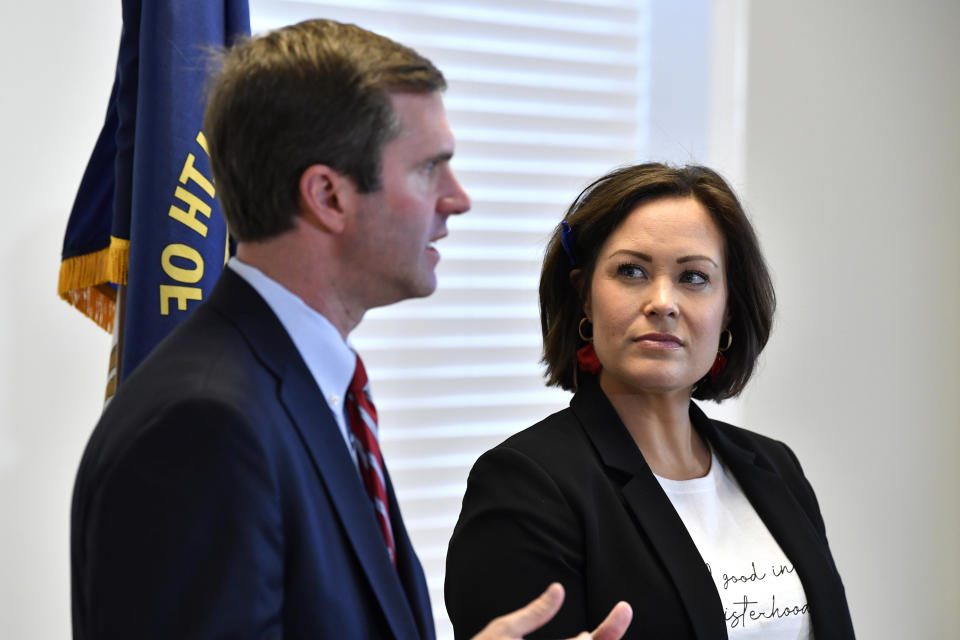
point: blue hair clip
(566, 238)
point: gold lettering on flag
(190, 176)
(178, 273)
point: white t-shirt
(761, 594)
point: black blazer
(216, 499)
(571, 499)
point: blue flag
(146, 214)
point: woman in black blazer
(653, 292)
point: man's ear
(577, 282)
(327, 198)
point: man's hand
(514, 626)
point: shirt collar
(330, 359)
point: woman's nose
(662, 300)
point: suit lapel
(332, 461)
(789, 524)
(309, 412)
(409, 568)
(652, 510)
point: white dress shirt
(330, 359)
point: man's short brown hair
(599, 210)
(317, 92)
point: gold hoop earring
(580, 329)
(729, 340)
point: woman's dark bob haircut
(598, 211)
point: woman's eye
(694, 277)
(631, 271)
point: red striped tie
(363, 426)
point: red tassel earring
(720, 362)
(586, 355)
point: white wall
(852, 165)
(852, 155)
(57, 62)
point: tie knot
(359, 382)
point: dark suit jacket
(217, 499)
(571, 499)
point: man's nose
(454, 199)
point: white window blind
(543, 97)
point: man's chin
(420, 289)
(425, 288)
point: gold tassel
(83, 281)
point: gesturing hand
(515, 625)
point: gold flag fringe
(83, 281)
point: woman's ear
(578, 283)
(326, 198)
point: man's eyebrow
(694, 258)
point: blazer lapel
(409, 568)
(652, 510)
(309, 412)
(334, 465)
(789, 524)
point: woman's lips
(659, 341)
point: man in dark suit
(234, 486)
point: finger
(615, 624)
(534, 615)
